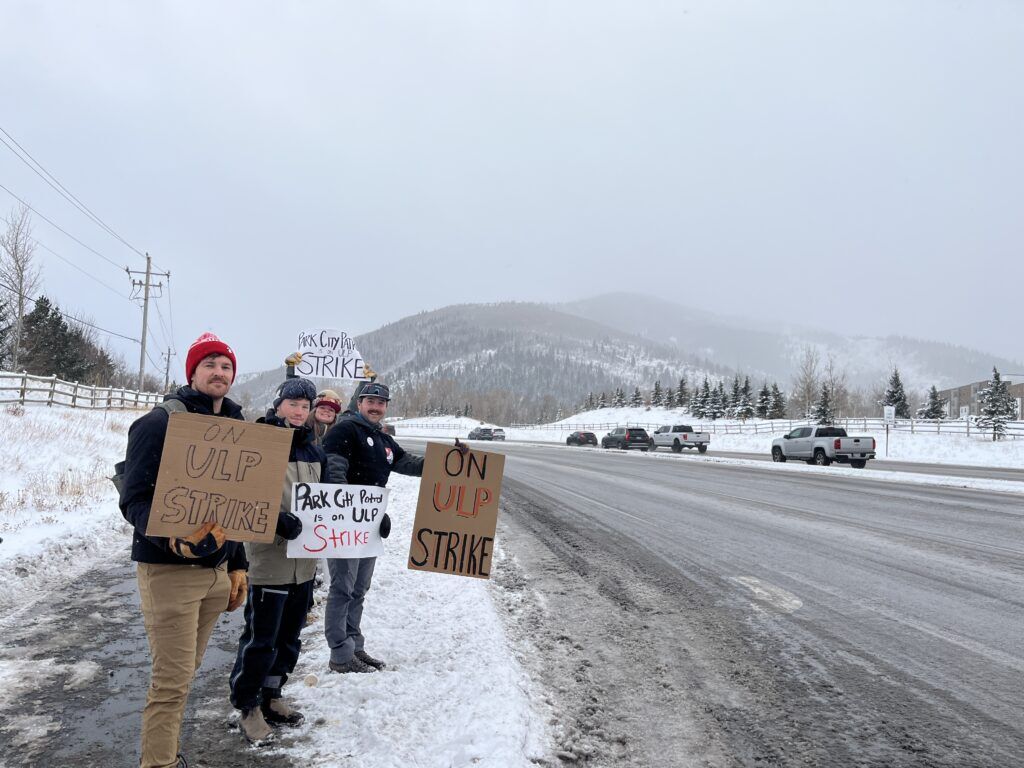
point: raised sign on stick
(338, 520)
(457, 512)
(328, 353)
(219, 470)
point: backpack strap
(172, 406)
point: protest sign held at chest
(338, 520)
(331, 354)
(457, 511)
(219, 470)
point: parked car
(497, 433)
(481, 433)
(626, 438)
(582, 438)
(679, 436)
(823, 445)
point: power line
(57, 226)
(63, 191)
(84, 272)
(69, 317)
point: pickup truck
(823, 445)
(679, 436)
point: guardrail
(28, 389)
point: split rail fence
(27, 389)
(1014, 429)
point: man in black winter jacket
(184, 583)
(359, 452)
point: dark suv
(481, 433)
(582, 438)
(626, 438)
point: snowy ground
(453, 690)
(976, 450)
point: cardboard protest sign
(330, 354)
(457, 512)
(223, 470)
(338, 520)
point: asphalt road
(890, 465)
(692, 613)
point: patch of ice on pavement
(80, 674)
(775, 596)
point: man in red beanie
(184, 583)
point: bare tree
(18, 270)
(806, 383)
(835, 379)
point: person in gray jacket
(280, 588)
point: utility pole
(145, 285)
(167, 369)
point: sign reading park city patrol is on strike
(457, 512)
(219, 470)
(338, 520)
(330, 354)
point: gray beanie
(296, 389)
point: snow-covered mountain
(521, 361)
(774, 347)
(509, 362)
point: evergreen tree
(824, 410)
(620, 398)
(717, 400)
(777, 406)
(744, 409)
(996, 406)
(732, 400)
(764, 402)
(602, 402)
(8, 322)
(657, 396)
(589, 405)
(701, 400)
(670, 398)
(637, 400)
(682, 393)
(934, 407)
(895, 395)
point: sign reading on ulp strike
(457, 512)
(338, 520)
(219, 470)
(330, 354)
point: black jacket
(142, 465)
(360, 453)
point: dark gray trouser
(350, 580)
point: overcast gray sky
(350, 163)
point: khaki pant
(180, 605)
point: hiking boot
(277, 712)
(367, 659)
(254, 726)
(352, 665)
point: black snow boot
(278, 712)
(366, 658)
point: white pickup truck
(679, 436)
(823, 445)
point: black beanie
(296, 389)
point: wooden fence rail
(28, 389)
(1014, 429)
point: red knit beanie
(206, 345)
